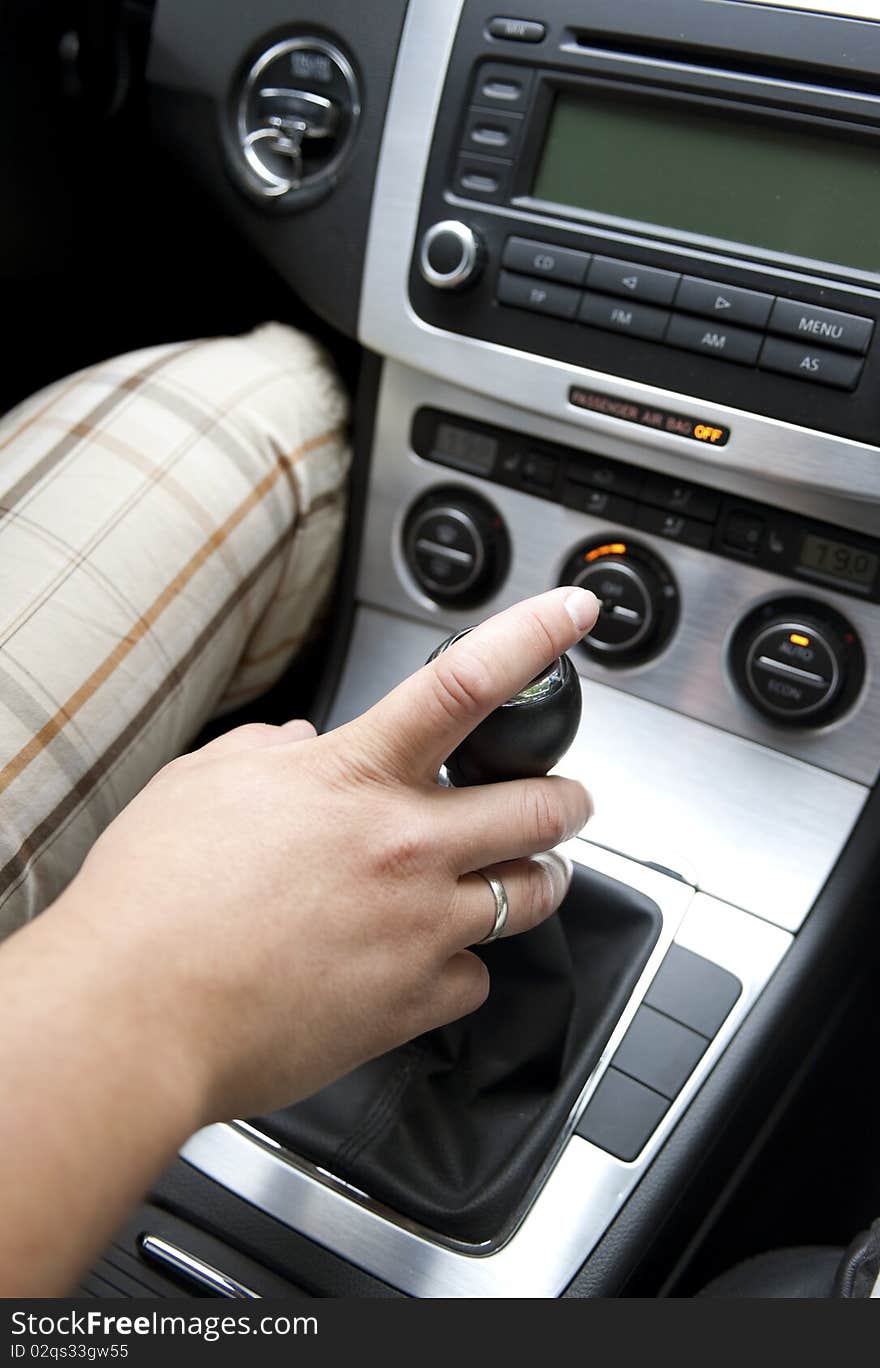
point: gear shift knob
(527, 735)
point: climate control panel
(475, 505)
(794, 658)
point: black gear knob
(527, 735)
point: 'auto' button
(792, 669)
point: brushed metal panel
(763, 447)
(691, 675)
(755, 828)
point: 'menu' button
(821, 327)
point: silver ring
(502, 907)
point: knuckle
(541, 895)
(461, 685)
(541, 634)
(252, 731)
(544, 819)
(400, 849)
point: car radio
(658, 219)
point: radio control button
(729, 303)
(450, 255)
(539, 296)
(713, 339)
(503, 87)
(543, 259)
(616, 315)
(632, 280)
(480, 178)
(822, 327)
(492, 134)
(811, 363)
(517, 30)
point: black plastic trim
(831, 954)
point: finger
(421, 722)
(474, 827)
(254, 736)
(461, 986)
(534, 889)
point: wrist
(120, 988)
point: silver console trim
(767, 448)
(583, 1191)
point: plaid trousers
(170, 525)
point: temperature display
(838, 561)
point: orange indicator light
(612, 549)
(797, 639)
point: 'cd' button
(545, 259)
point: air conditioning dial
(456, 547)
(798, 661)
(638, 596)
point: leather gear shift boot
(451, 1130)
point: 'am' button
(821, 327)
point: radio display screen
(766, 183)
(836, 560)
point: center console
(623, 278)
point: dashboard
(615, 270)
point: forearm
(96, 1099)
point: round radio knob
(798, 662)
(456, 547)
(451, 255)
(637, 596)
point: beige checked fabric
(170, 524)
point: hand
(296, 904)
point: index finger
(422, 721)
